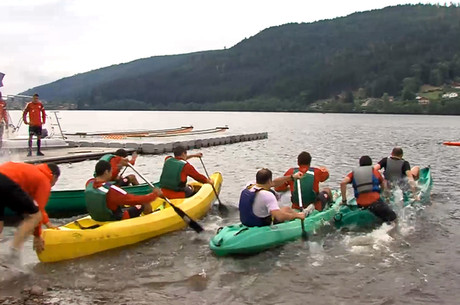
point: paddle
(222, 208)
(189, 221)
(299, 191)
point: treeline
(287, 68)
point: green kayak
(352, 216)
(240, 239)
(67, 203)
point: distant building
(456, 85)
(423, 100)
(450, 95)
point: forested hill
(390, 51)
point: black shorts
(35, 131)
(382, 211)
(122, 182)
(14, 197)
(324, 198)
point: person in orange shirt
(3, 118)
(367, 184)
(106, 202)
(309, 184)
(37, 117)
(25, 189)
(119, 161)
(173, 179)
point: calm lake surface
(418, 265)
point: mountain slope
(300, 63)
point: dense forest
(383, 60)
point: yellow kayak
(87, 236)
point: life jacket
(393, 169)
(306, 185)
(171, 175)
(106, 157)
(364, 180)
(247, 216)
(96, 203)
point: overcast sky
(45, 40)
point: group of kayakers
(25, 189)
(258, 203)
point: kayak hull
(68, 203)
(452, 143)
(72, 241)
(352, 216)
(240, 239)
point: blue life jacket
(247, 216)
(364, 180)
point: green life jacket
(170, 176)
(306, 184)
(106, 157)
(96, 202)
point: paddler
(173, 179)
(367, 184)
(118, 161)
(309, 184)
(105, 201)
(25, 189)
(397, 170)
(259, 205)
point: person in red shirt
(37, 117)
(368, 184)
(119, 161)
(3, 118)
(309, 184)
(173, 180)
(105, 201)
(25, 189)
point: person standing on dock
(36, 112)
(173, 179)
(25, 189)
(3, 118)
(367, 184)
(105, 201)
(309, 184)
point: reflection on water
(414, 264)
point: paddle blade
(304, 233)
(192, 223)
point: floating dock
(84, 149)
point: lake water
(418, 265)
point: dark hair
(35, 94)
(263, 176)
(121, 152)
(54, 169)
(304, 158)
(179, 150)
(101, 167)
(397, 151)
(365, 161)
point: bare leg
(415, 172)
(25, 229)
(132, 179)
(30, 143)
